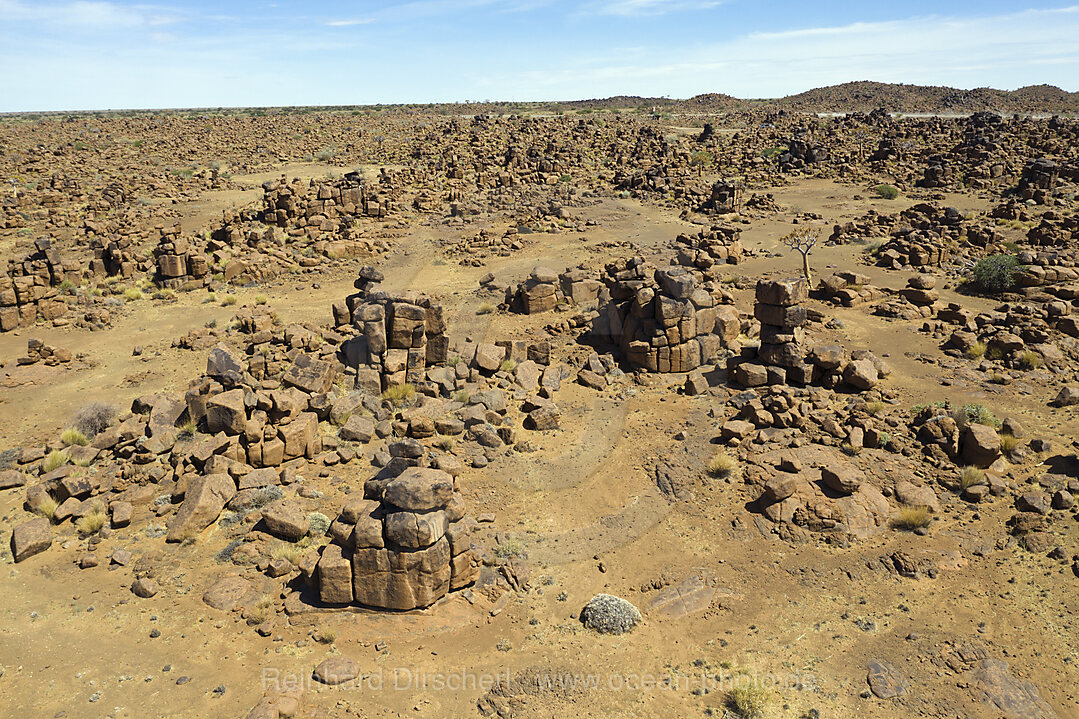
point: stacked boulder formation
(724, 198)
(541, 292)
(400, 335)
(403, 547)
(718, 245)
(1038, 180)
(321, 206)
(784, 356)
(663, 320)
(177, 261)
(30, 288)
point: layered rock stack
(399, 335)
(403, 547)
(724, 198)
(663, 320)
(321, 206)
(1038, 180)
(783, 347)
(718, 245)
(177, 260)
(785, 357)
(541, 292)
(29, 290)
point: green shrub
(400, 394)
(995, 273)
(73, 436)
(886, 192)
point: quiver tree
(803, 241)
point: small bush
(400, 394)
(851, 450)
(229, 300)
(73, 436)
(508, 366)
(325, 635)
(462, 396)
(94, 418)
(1029, 359)
(261, 299)
(976, 350)
(975, 414)
(56, 459)
(971, 476)
(751, 701)
(995, 273)
(721, 465)
(444, 443)
(485, 308)
(911, 518)
(131, 294)
(886, 192)
(509, 547)
(189, 429)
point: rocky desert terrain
(615, 408)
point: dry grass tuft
(400, 394)
(722, 466)
(56, 459)
(911, 518)
(73, 436)
(970, 477)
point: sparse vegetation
(507, 366)
(229, 300)
(56, 459)
(46, 506)
(73, 436)
(92, 521)
(485, 308)
(1009, 443)
(971, 476)
(1029, 359)
(462, 396)
(749, 699)
(131, 294)
(400, 395)
(722, 466)
(261, 299)
(886, 192)
(975, 414)
(911, 518)
(995, 274)
(976, 350)
(875, 408)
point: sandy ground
(77, 643)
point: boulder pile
(403, 547)
(177, 261)
(30, 288)
(663, 320)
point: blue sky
(83, 54)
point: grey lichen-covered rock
(608, 614)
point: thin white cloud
(87, 14)
(633, 8)
(350, 22)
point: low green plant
(485, 308)
(132, 294)
(508, 365)
(975, 414)
(462, 396)
(229, 300)
(886, 192)
(875, 408)
(996, 273)
(261, 299)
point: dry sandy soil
(588, 514)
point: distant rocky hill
(865, 96)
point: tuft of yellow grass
(1009, 443)
(92, 521)
(976, 350)
(721, 465)
(485, 308)
(911, 518)
(73, 436)
(970, 477)
(750, 701)
(46, 507)
(56, 459)
(400, 394)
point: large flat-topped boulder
(419, 489)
